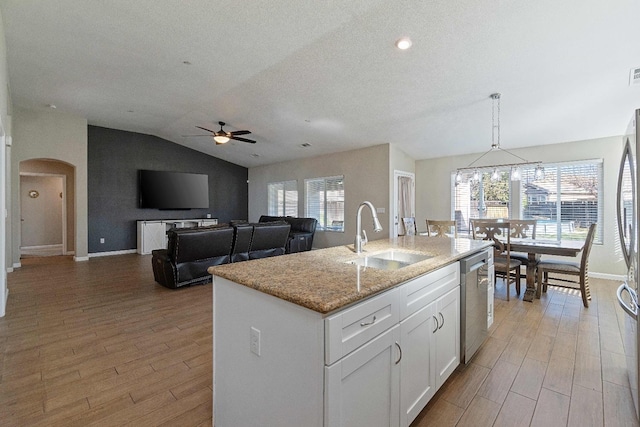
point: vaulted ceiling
(327, 73)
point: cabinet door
(417, 366)
(448, 335)
(152, 235)
(362, 388)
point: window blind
(282, 198)
(324, 201)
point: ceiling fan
(222, 136)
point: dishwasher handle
(631, 311)
(477, 266)
(474, 262)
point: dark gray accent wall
(115, 156)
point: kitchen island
(316, 339)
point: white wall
(433, 181)
(5, 136)
(365, 171)
(57, 136)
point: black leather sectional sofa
(191, 251)
(301, 233)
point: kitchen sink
(389, 260)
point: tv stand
(153, 234)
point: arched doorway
(47, 211)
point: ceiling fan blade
(242, 139)
(208, 130)
(240, 132)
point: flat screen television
(173, 190)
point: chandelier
(516, 174)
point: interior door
(404, 190)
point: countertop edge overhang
(324, 281)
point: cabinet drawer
(421, 291)
(350, 328)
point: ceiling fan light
(221, 139)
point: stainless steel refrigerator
(627, 210)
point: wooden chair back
(523, 228)
(440, 228)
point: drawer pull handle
(369, 323)
(436, 320)
(440, 327)
(399, 349)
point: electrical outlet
(254, 344)
(380, 210)
(102, 240)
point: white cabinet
(430, 344)
(427, 343)
(153, 234)
(362, 388)
(447, 337)
(375, 363)
(417, 367)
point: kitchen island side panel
(290, 363)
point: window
(324, 201)
(564, 202)
(282, 198)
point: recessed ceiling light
(255, 155)
(129, 111)
(186, 62)
(404, 43)
(305, 145)
(52, 106)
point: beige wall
(5, 154)
(433, 183)
(365, 171)
(56, 136)
(41, 215)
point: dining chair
(522, 229)
(581, 270)
(410, 227)
(503, 264)
(441, 228)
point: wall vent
(634, 76)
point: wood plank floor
(100, 343)
(547, 363)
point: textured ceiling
(327, 72)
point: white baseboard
(110, 253)
(17, 265)
(3, 304)
(607, 276)
(81, 258)
(55, 246)
(9, 269)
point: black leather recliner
(301, 233)
(242, 234)
(189, 253)
(269, 240)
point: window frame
(518, 198)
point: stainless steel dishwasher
(474, 282)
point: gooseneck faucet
(360, 241)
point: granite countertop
(322, 280)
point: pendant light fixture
(515, 168)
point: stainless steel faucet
(360, 241)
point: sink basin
(389, 260)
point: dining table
(535, 248)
